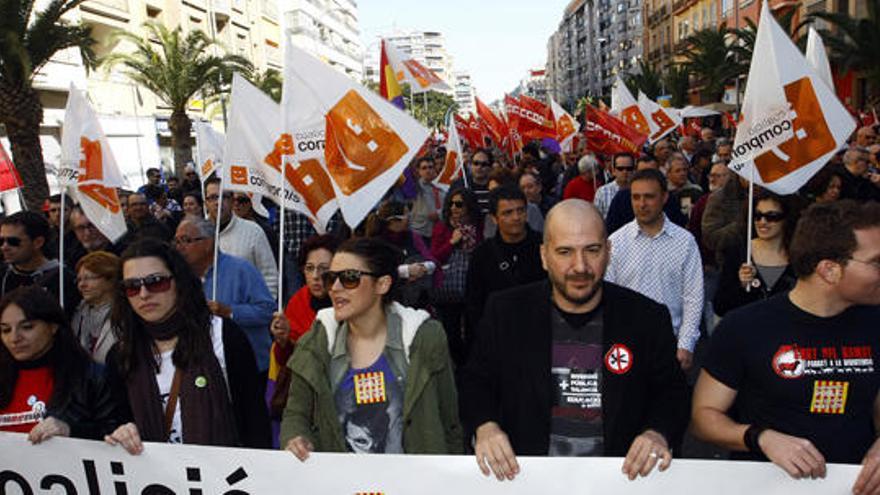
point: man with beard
(574, 365)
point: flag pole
(750, 221)
(218, 215)
(61, 249)
(425, 99)
(281, 220)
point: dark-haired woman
(452, 243)
(768, 272)
(372, 375)
(298, 317)
(48, 385)
(185, 375)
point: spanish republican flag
(388, 86)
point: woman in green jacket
(372, 375)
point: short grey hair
(204, 226)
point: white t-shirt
(165, 377)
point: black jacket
(730, 294)
(90, 410)
(508, 380)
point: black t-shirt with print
(802, 375)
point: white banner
(68, 466)
(209, 148)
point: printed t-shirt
(369, 402)
(802, 375)
(33, 389)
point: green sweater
(415, 348)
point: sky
(497, 42)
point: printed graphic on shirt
(369, 402)
(793, 361)
(619, 359)
(829, 397)
(174, 434)
(34, 416)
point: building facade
(329, 30)
(464, 93)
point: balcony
(222, 8)
(681, 5)
(269, 9)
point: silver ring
(653, 454)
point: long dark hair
(194, 340)
(381, 258)
(472, 209)
(791, 206)
(69, 361)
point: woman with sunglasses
(768, 272)
(48, 385)
(185, 376)
(97, 274)
(372, 375)
(452, 243)
(297, 319)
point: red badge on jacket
(618, 359)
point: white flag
(86, 157)
(209, 148)
(817, 57)
(454, 162)
(409, 70)
(792, 121)
(625, 107)
(692, 112)
(661, 121)
(254, 151)
(334, 124)
(566, 126)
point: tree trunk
(180, 127)
(21, 113)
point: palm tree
(744, 47)
(175, 69)
(677, 83)
(25, 48)
(855, 43)
(647, 80)
(710, 60)
(269, 82)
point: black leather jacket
(90, 410)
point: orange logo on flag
(93, 163)
(450, 169)
(661, 118)
(206, 167)
(360, 145)
(564, 127)
(306, 177)
(238, 175)
(423, 75)
(812, 137)
(634, 118)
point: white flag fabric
(454, 162)
(409, 70)
(625, 107)
(818, 58)
(362, 141)
(87, 157)
(566, 126)
(254, 153)
(209, 148)
(792, 121)
(692, 112)
(661, 121)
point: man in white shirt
(622, 166)
(240, 237)
(661, 260)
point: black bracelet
(750, 438)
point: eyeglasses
(479, 163)
(185, 241)
(12, 241)
(153, 283)
(457, 204)
(875, 263)
(318, 269)
(350, 279)
(770, 216)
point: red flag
(531, 118)
(470, 134)
(494, 125)
(9, 178)
(608, 135)
(728, 122)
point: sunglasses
(153, 283)
(350, 279)
(457, 204)
(482, 164)
(12, 241)
(770, 216)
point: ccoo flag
(209, 148)
(407, 69)
(661, 121)
(362, 141)
(86, 158)
(625, 107)
(792, 121)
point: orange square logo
(449, 168)
(565, 126)
(360, 145)
(812, 137)
(663, 122)
(93, 163)
(310, 180)
(633, 117)
(206, 167)
(238, 175)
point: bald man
(573, 365)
